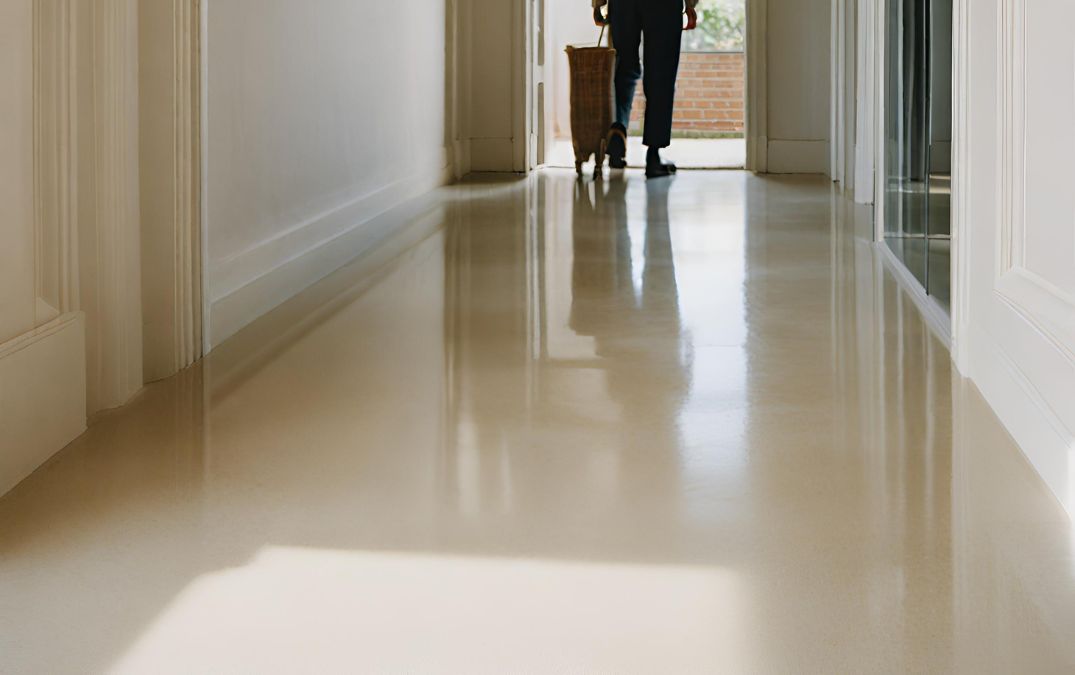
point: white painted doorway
(713, 70)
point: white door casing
(866, 56)
(757, 88)
(170, 139)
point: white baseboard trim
(1045, 441)
(936, 318)
(228, 275)
(271, 334)
(42, 395)
(810, 157)
(260, 279)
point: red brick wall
(709, 94)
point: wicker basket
(592, 70)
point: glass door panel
(918, 110)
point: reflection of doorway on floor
(710, 114)
(687, 153)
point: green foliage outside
(721, 27)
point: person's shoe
(617, 147)
(655, 167)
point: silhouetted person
(661, 22)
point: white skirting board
(1045, 441)
(261, 279)
(42, 396)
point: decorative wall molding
(56, 158)
(1011, 57)
(1047, 308)
(170, 154)
(1040, 303)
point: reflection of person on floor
(637, 330)
(661, 22)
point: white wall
(320, 116)
(799, 70)
(570, 23)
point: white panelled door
(1022, 336)
(42, 333)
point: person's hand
(692, 18)
(599, 18)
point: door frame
(756, 99)
(951, 326)
(867, 103)
(86, 119)
(118, 108)
(172, 93)
(529, 26)
(962, 163)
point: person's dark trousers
(660, 22)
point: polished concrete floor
(689, 426)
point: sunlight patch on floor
(303, 610)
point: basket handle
(604, 25)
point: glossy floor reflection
(689, 426)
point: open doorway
(710, 113)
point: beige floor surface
(685, 426)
